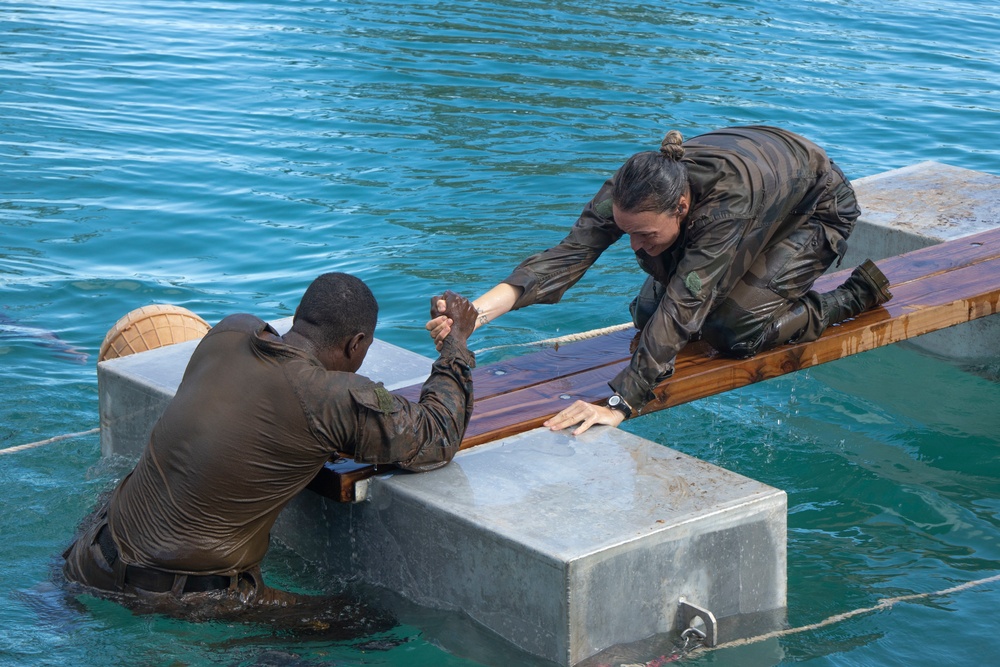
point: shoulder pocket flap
(375, 397)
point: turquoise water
(218, 155)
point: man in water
(732, 228)
(254, 419)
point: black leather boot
(807, 319)
(866, 288)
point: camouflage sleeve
(420, 435)
(708, 256)
(545, 276)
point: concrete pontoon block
(924, 204)
(561, 546)
(564, 546)
(135, 390)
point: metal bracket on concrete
(699, 621)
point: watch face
(614, 400)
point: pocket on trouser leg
(801, 259)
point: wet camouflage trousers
(774, 302)
(247, 600)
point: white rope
(32, 445)
(568, 338)
(885, 603)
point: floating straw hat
(150, 327)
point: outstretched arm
(545, 277)
(425, 434)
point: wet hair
(335, 307)
(652, 180)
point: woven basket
(150, 327)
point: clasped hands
(454, 314)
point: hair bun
(672, 145)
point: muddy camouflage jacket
(252, 423)
(750, 187)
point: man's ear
(353, 346)
(683, 205)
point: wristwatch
(618, 403)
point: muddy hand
(439, 326)
(461, 314)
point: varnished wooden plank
(917, 282)
(918, 307)
(934, 287)
(525, 370)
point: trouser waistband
(159, 581)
